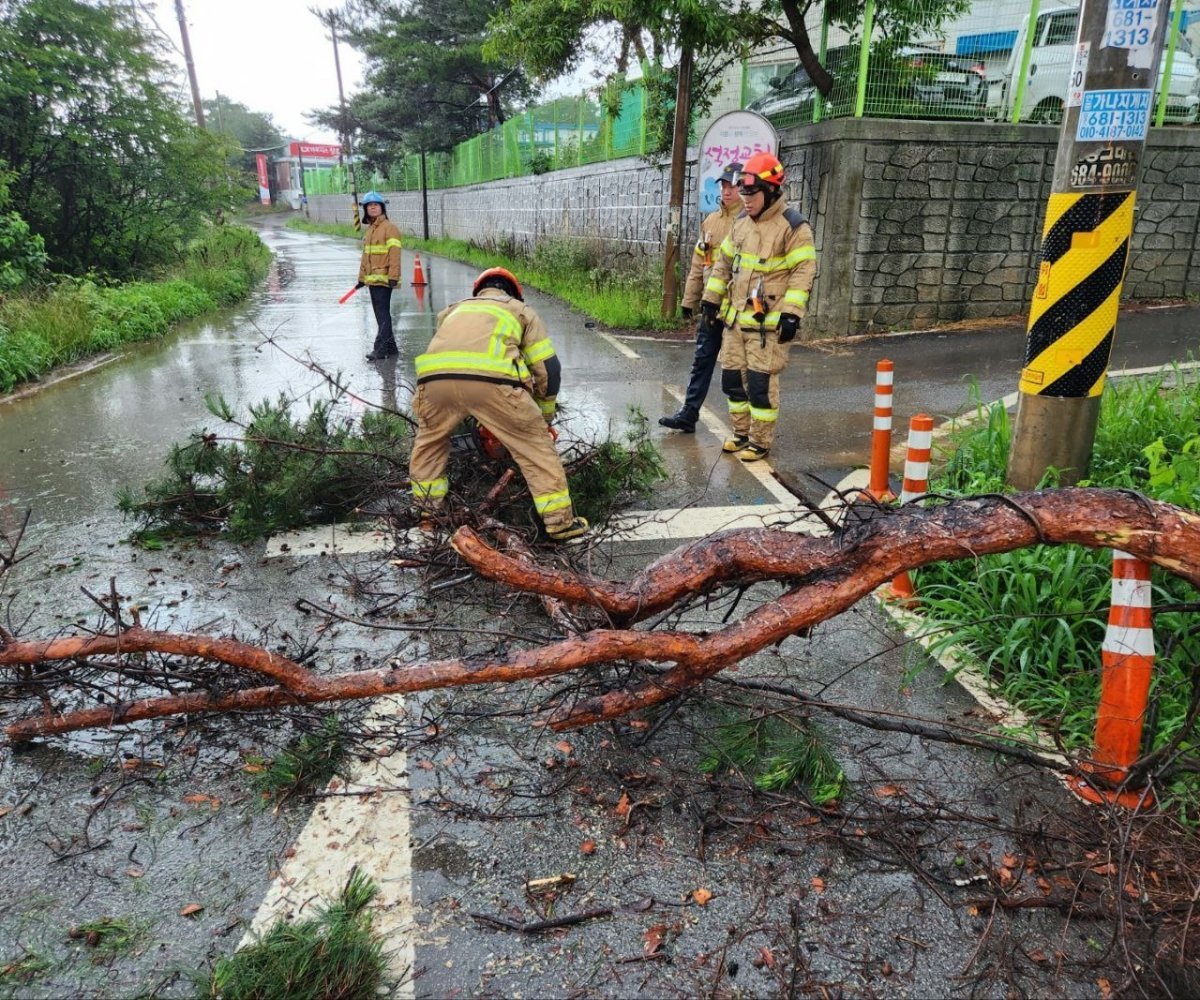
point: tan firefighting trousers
(508, 412)
(750, 367)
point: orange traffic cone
(1127, 662)
(881, 434)
(916, 485)
(420, 294)
(418, 274)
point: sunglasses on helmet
(752, 189)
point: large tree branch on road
(825, 576)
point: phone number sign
(1114, 116)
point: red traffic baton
(348, 294)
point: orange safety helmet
(499, 273)
(763, 167)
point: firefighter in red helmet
(491, 358)
(759, 289)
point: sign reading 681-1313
(1130, 25)
(1114, 116)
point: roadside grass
(1035, 619)
(307, 764)
(621, 290)
(74, 318)
(335, 955)
(775, 752)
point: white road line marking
(759, 470)
(370, 830)
(623, 348)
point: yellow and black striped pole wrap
(1085, 244)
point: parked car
(913, 81)
(1048, 79)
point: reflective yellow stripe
(727, 248)
(547, 405)
(716, 286)
(539, 351)
(548, 503)
(765, 416)
(393, 242)
(728, 313)
(739, 406)
(795, 297)
(430, 489)
(470, 361)
(376, 279)
(747, 318)
(377, 247)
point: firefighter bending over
(759, 291)
(491, 358)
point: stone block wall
(916, 223)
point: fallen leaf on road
(622, 806)
(767, 957)
(652, 940)
(1105, 988)
(701, 896)
(562, 746)
(818, 884)
(588, 847)
(425, 765)
(887, 791)
(134, 872)
(1038, 955)
(1010, 860)
(191, 910)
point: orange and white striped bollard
(916, 485)
(1127, 662)
(881, 433)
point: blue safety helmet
(372, 197)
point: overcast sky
(275, 57)
(270, 55)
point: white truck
(1048, 79)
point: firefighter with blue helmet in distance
(379, 271)
(758, 291)
(491, 358)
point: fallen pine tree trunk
(825, 576)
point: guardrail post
(1164, 89)
(1026, 56)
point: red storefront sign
(315, 150)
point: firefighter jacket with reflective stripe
(765, 268)
(381, 253)
(491, 338)
(713, 231)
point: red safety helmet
(499, 274)
(763, 167)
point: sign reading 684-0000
(1114, 116)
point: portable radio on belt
(759, 310)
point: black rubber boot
(684, 421)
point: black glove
(709, 311)
(392, 283)
(789, 326)
(686, 312)
(361, 284)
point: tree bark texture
(825, 576)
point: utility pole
(1085, 239)
(330, 19)
(683, 101)
(424, 196)
(191, 64)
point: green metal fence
(567, 132)
(984, 65)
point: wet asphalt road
(495, 803)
